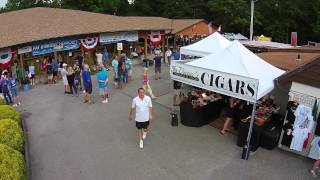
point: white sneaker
(14, 105)
(141, 144)
(144, 135)
(313, 173)
(105, 101)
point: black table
(201, 116)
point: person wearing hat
(64, 74)
(103, 79)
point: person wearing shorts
(102, 79)
(176, 88)
(64, 74)
(14, 91)
(142, 106)
(115, 64)
(55, 68)
(32, 74)
(49, 72)
(157, 66)
(230, 115)
(87, 83)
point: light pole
(251, 22)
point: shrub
(12, 165)
(11, 134)
(8, 112)
(2, 102)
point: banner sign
(6, 58)
(119, 46)
(61, 44)
(89, 44)
(25, 49)
(108, 38)
(220, 82)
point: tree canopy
(275, 18)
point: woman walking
(230, 115)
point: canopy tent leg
(246, 148)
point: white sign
(107, 38)
(119, 47)
(25, 49)
(220, 82)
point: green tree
(233, 15)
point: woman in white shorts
(64, 73)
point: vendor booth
(234, 71)
(301, 128)
(209, 45)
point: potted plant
(25, 84)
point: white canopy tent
(234, 71)
(209, 45)
(238, 60)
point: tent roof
(209, 45)
(240, 37)
(238, 60)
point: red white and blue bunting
(155, 38)
(89, 44)
(6, 58)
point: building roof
(181, 24)
(265, 44)
(287, 60)
(308, 74)
(28, 25)
(24, 26)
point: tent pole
(246, 149)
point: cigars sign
(220, 82)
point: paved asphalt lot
(70, 140)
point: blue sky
(3, 3)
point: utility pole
(251, 22)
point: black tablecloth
(255, 137)
(201, 116)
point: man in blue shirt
(175, 55)
(5, 87)
(105, 57)
(87, 83)
(14, 91)
(157, 65)
(102, 79)
(55, 67)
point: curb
(26, 150)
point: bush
(2, 101)
(11, 134)
(12, 164)
(8, 112)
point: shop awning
(234, 71)
(209, 45)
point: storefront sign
(108, 38)
(6, 58)
(220, 82)
(119, 46)
(89, 44)
(62, 44)
(25, 49)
